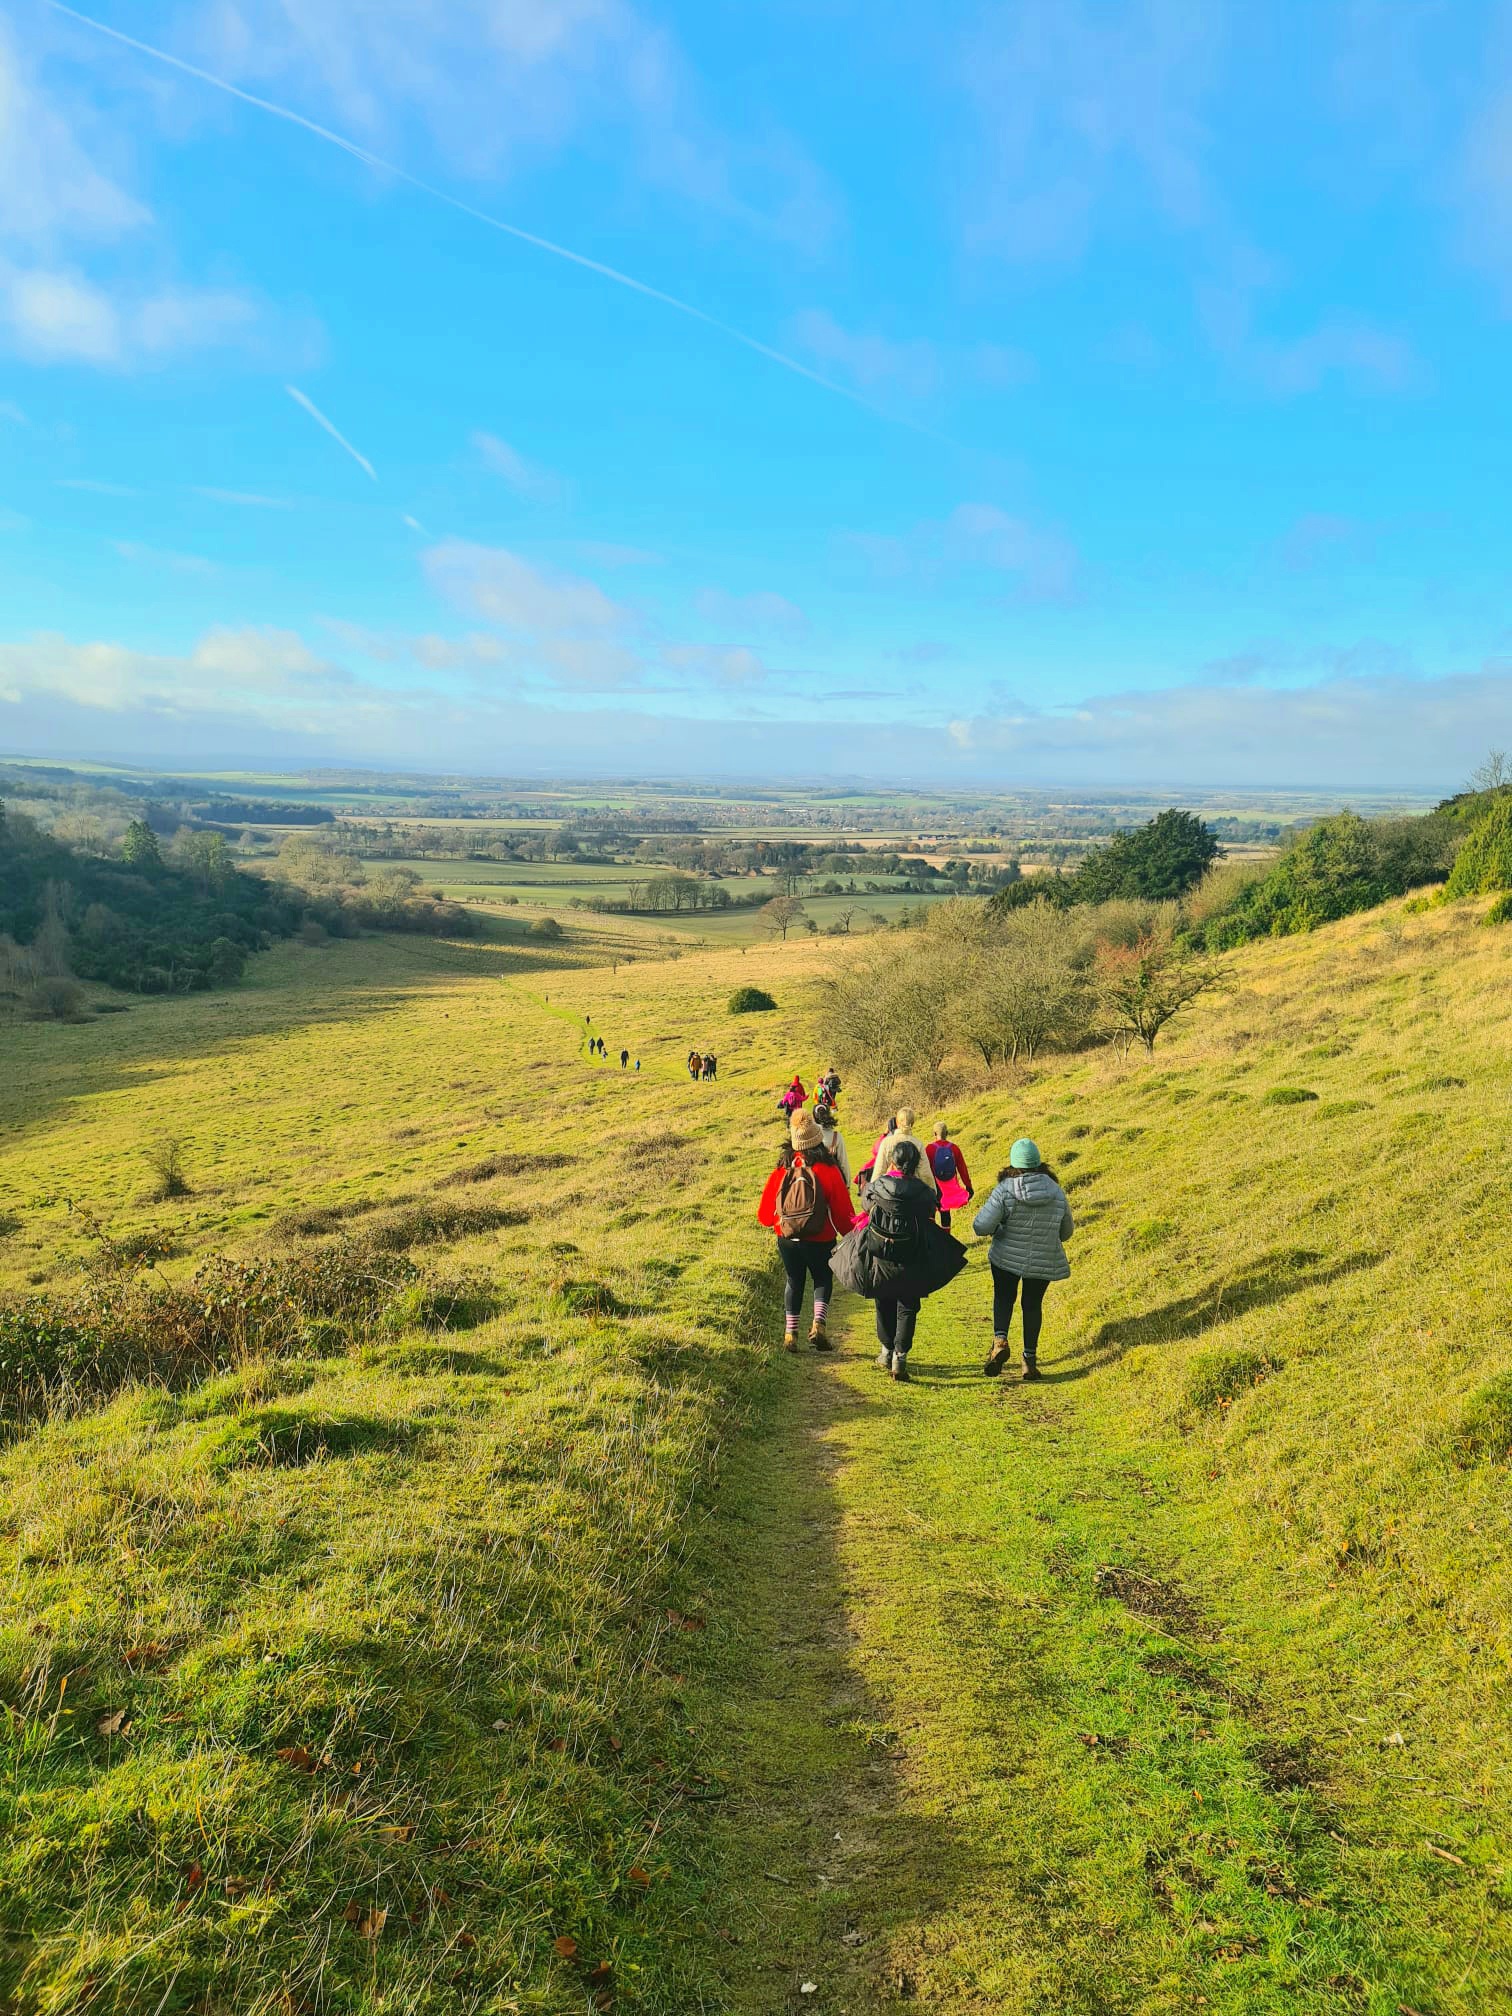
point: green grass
(1176, 1682)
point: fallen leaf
(234, 1887)
(682, 1623)
(557, 1743)
(566, 1946)
(603, 2000)
(352, 1912)
(602, 1972)
(194, 1875)
(396, 1833)
(175, 1718)
(297, 1756)
(143, 1658)
(116, 1723)
(504, 1722)
(1444, 1855)
(640, 1875)
(615, 1743)
(372, 1925)
(1089, 1739)
(808, 1988)
(1396, 1740)
(465, 1939)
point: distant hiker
(828, 1089)
(711, 1064)
(902, 1130)
(900, 1255)
(834, 1140)
(806, 1204)
(794, 1097)
(950, 1172)
(624, 1059)
(695, 1066)
(637, 1063)
(1028, 1220)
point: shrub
(1483, 1433)
(454, 1302)
(1501, 910)
(166, 1161)
(546, 927)
(1288, 1095)
(1217, 1377)
(751, 1001)
(1483, 865)
(58, 999)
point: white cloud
(161, 559)
(916, 368)
(704, 662)
(50, 190)
(526, 479)
(428, 649)
(246, 497)
(762, 611)
(504, 588)
(268, 672)
(975, 537)
(58, 315)
(499, 83)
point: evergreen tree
(1156, 863)
(139, 846)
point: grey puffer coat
(1027, 1218)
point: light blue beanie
(1023, 1155)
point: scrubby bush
(750, 1001)
(1501, 910)
(546, 927)
(1288, 1095)
(1337, 867)
(166, 1161)
(1483, 865)
(1483, 1433)
(1214, 1377)
(54, 1000)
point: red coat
(831, 1182)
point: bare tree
(780, 915)
(1141, 987)
(1494, 774)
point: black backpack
(893, 1230)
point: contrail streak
(530, 238)
(303, 399)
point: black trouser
(1005, 1287)
(895, 1324)
(800, 1259)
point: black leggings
(800, 1258)
(895, 1324)
(1005, 1287)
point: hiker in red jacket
(806, 1204)
(950, 1172)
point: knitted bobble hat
(804, 1132)
(1023, 1155)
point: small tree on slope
(1140, 987)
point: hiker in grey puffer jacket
(1028, 1220)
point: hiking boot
(819, 1338)
(1031, 1368)
(884, 1360)
(997, 1358)
(789, 1340)
(900, 1366)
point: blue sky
(1077, 391)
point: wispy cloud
(1040, 563)
(505, 588)
(438, 195)
(914, 367)
(162, 559)
(737, 666)
(249, 498)
(303, 399)
(94, 485)
(762, 611)
(527, 479)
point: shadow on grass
(1273, 1278)
(816, 1859)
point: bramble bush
(751, 1001)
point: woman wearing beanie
(1028, 1220)
(900, 1255)
(807, 1205)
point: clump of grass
(1149, 1234)
(1501, 910)
(435, 1222)
(1336, 1109)
(589, 1298)
(503, 1165)
(453, 1302)
(166, 1161)
(1288, 1095)
(1483, 1433)
(1218, 1378)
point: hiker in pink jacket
(950, 1173)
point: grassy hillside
(1177, 1682)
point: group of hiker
(894, 1245)
(596, 1047)
(702, 1064)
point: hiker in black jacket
(900, 1255)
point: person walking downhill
(1028, 1220)
(711, 1064)
(902, 1130)
(950, 1172)
(834, 1140)
(805, 1202)
(900, 1255)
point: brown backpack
(802, 1208)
